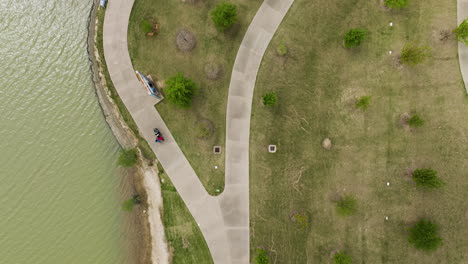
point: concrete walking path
(223, 220)
(462, 14)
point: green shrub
(363, 102)
(346, 206)
(261, 257)
(341, 258)
(396, 3)
(427, 178)
(269, 99)
(424, 235)
(127, 205)
(461, 32)
(302, 219)
(224, 16)
(354, 37)
(412, 54)
(180, 90)
(128, 157)
(415, 121)
(282, 49)
(146, 26)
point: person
(159, 138)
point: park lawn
(317, 86)
(185, 239)
(159, 57)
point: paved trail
(462, 14)
(223, 220)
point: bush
(363, 102)
(127, 205)
(282, 49)
(461, 32)
(146, 26)
(424, 235)
(261, 257)
(415, 121)
(224, 16)
(413, 54)
(180, 90)
(341, 258)
(354, 37)
(396, 3)
(269, 99)
(346, 206)
(128, 157)
(427, 178)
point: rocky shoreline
(147, 229)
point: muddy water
(60, 189)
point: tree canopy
(424, 235)
(180, 90)
(461, 32)
(224, 16)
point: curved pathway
(223, 220)
(462, 14)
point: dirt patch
(204, 129)
(185, 40)
(213, 70)
(383, 6)
(403, 121)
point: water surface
(59, 184)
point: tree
(346, 205)
(269, 99)
(128, 157)
(462, 32)
(354, 37)
(424, 235)
(363, 102)
(261, 257)
(412, 54)
(224, 16)
(127, 205)
(282, 49)
(341, 258)
(146, 26)
(427, 178)
(180, 90)
(396, 3)
(415, 121)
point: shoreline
(146, 219)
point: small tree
(146, 26)
(282, 49)
(462, 32)
(127, 205)
(424, 235)
(412, 54)
(396, 3)
(415, 121)
(261, 257)
(224, 16)
(354, 37)
(341, 258)
(180, 90)
(427, 178)
(128, 157)
(363, 102)
(269, 99)
(346, 205)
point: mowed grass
(159, 57)
(317, 87)
(185, 238)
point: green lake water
(60, 186)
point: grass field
(159, 57)
(185, 238)
(317, 84)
